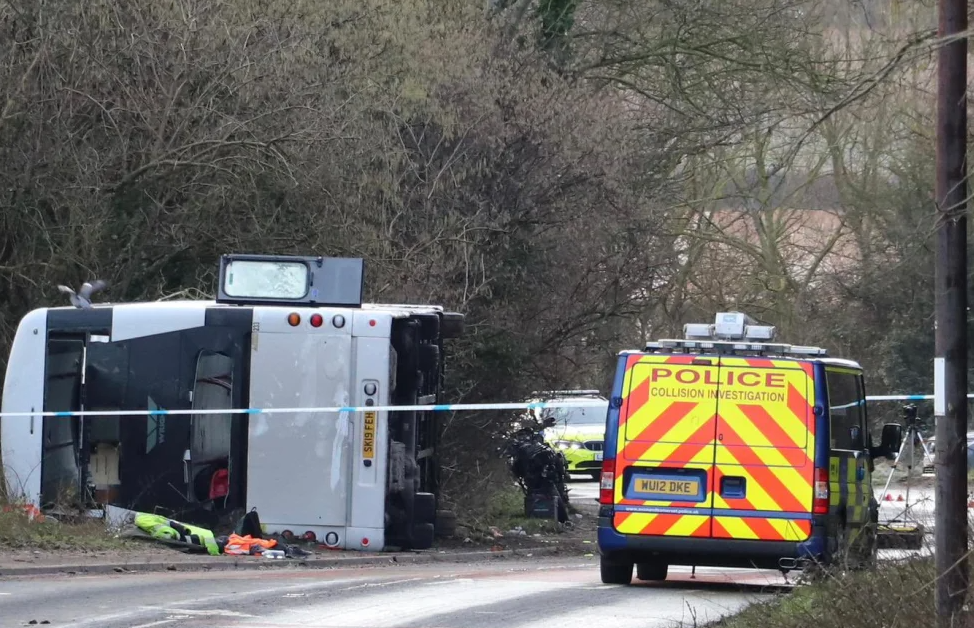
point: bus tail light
(820, 505)
(220, 484)
(607, 483)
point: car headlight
(567, 444)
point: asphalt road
(583, 489)
(523, 593)
(515, 593)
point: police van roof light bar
(698, 331)
(729, 326)
(726, 347)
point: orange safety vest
(246, 545)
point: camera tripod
(912, 437)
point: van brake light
(607, 483)
(820, 505)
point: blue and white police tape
(905, 397)
(452, 407)
(449, 407)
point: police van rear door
(665, 457)
(764, 464)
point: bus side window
(845, 410)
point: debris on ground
(247, 539)
(31, 539)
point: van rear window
(846, 407)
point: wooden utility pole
(951, 315)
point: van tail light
(820, 505)
(607, 483)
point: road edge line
(254, 563)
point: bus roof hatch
(291, 280)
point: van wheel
(615, 573)
(813, 572)
(844, 554)
(870, 541)
(651, 571)
(866, 547)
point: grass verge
(499, 522)
(503, 510)
(506, 511)
(896, 595)
(23, 528)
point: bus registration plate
(368, 435)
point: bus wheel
(423, 535)
(615, 573)
(424, 508)
(445, 525)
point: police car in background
(579, 433)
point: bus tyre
(446, 523)
(422, 536)
(615, 572)
(451, 325)
(429, 358)
(424, 508)
(651, 571)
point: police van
(284, 332)
(726, 449)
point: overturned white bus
(283, 332)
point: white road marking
(442, 582)
(161, 622)
(186, 613)
(368, 585)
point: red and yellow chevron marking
(760, 528)
(661, 430)
(766, 435)
(662, 524)
(667, 399)
(742, 417)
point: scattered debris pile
(247, 539)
